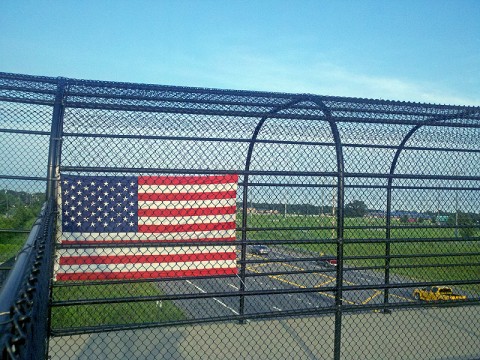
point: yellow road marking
(302, 269)
(292, 266)
(331, 279)
(372, 297)
(325, 283)
(325, 276)
(279, 278)
(333, 297)
(256, 266)
(402, 297)
(276, 277)
(257, 256)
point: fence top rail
(98, 94)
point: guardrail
(24, 296)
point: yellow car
(437, 293)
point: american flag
(139, 220)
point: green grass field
(135, 312)
(12, 243)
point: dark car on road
(259, 250)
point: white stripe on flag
(192, 265)
(188, 204)
(180, 220)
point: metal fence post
(340, 223)
(51, 192)
(55, 138)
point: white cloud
(243, 70)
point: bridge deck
(421, 334)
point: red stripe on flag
(187, 196)
(141, 242)
(187, 211)
(186, 227)
(187, 180)
(146, 259)
(145, 274)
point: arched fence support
(393, 166)
(245, 198)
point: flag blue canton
(99, 203)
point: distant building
(260, 211)
(441, 219)
(376, 214)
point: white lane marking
(235, 287)
(220, 302)
(276, 308)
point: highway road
(256, 304)
(428, 333)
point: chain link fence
(200, 223)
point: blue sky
(427, 51)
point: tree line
(17, 207)
(355, 208)
(467, 222)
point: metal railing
(24, 296)
(307, 212)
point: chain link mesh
(202, 223)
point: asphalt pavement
(323, 277)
